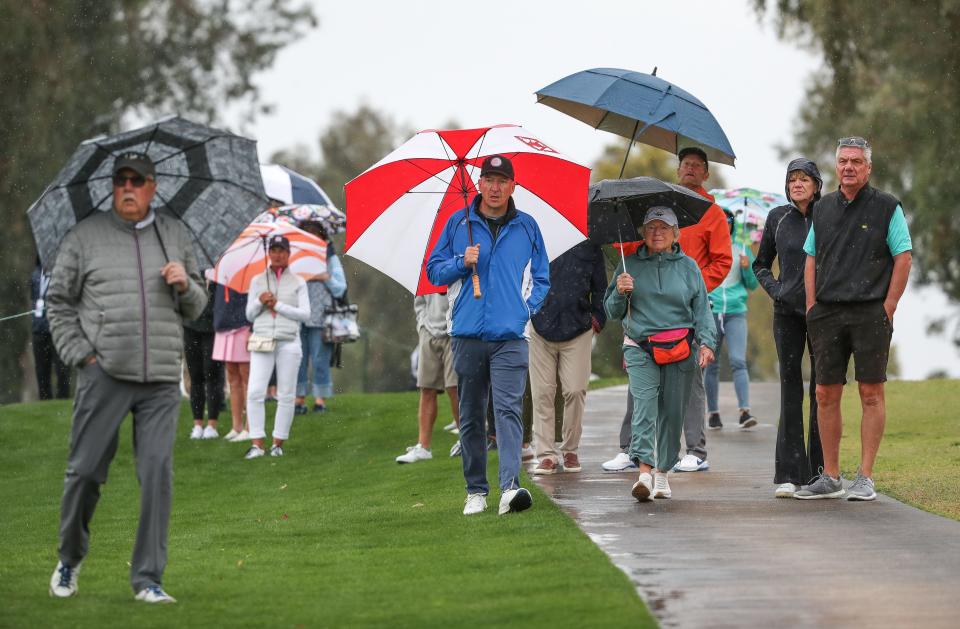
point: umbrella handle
(476, 285)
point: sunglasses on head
(136, 181)
(853, 141)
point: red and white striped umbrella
(397, 208)
(247, 256)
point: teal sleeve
(898, 234)
(810, 245)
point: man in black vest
(858, 261)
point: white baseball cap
(661, 213)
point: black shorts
(838, 330)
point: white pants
(286, 357)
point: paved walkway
(724, 553)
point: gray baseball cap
(661, 213)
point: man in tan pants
(561, 340)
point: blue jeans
(733, 328)
(317, 352)
(500, 368)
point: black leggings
(45, 358)
(206, 374)
(796, 462)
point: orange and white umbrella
(247, 256)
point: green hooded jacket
(668, 293)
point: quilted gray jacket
(108, 299)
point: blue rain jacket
(508, 268)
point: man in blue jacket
(490, 353)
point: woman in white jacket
(278, 304)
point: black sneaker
(747, 420)
(713, 422)
(300, 409)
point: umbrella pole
(623, 260)
(475, 278)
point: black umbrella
(617, 207)
(208, 178)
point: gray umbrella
(208, 178)
(617, 206)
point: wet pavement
(723, 552)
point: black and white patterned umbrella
(208, 178)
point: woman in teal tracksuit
(662, 290)
(729, 304)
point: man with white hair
(858, 261)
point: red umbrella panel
(397, 208)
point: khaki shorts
(435, 364)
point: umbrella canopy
(333, 220)
(618, 206)
(749, 208)
(247, 256)
(640, 107)
(397, 208)
(209, 179)
(291, 187)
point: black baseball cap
(693, 150)
(278, 240)
(497, 164)
(139, 163)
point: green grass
(334, 534)
(919, 459)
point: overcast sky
(427, 62)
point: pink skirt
(231, 346)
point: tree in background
(72, 70)
(893, 76)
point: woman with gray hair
(659, 294)
(783, 237)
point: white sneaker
(475, 503)
(691, 463)
(63, 583)
(456, 449)
(619, 463)
(515, 500)
(414, 454)
(786, 490)
(255, 452)
(210, 433)
(243, 435)
(643, 487)
(451, 427)
(231, 435)
(661, 488)
(528, 454)
(154, 594)
(276, 450)
(197, 432)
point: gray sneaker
(862, 488)
(822, 487)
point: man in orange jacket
(708, 243)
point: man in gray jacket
(122, 282)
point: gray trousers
(694, 420)
(99, 408)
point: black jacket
(578, 279)
(783, 236)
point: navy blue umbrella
(291, 188)
(641, 107)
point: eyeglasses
(853, 141)
(137, 181)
